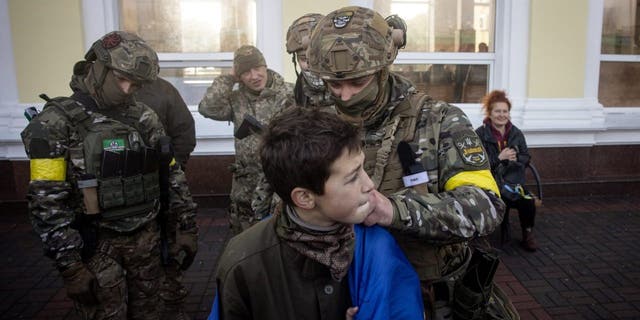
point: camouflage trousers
(128, 274)
(172, 291)
(241, 215)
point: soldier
(165, 100)
(161, 96)
(309, 261)
(251, 90)
(100, 169)
(309, 90)
(455, 201)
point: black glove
(80, 283)
(186, 246)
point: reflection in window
(620, 28)
(444, 25)
(619, 84)
(459, 83)
(192, 82)
(191, 26)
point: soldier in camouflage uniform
(309, 90)
(251, 90)
(351, 50)
(95, 189)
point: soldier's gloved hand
(80, 283)
(186, 247)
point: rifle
(249, 125)
(165, 156)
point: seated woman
(505, 143)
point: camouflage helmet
(300, 31)
(127, 53)
(396, 22)
(352, 42)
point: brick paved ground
(588, 266)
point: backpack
(511, 180)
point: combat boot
(528, 241)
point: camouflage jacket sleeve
(216, 103)
(180, 201)
(463, 201)
(52, 200)
(264, 200)
(181, 204)
(182, 127)
(174, 115)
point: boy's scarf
(332, 247)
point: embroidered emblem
(111, 40)
(342, 20)
(470, 149)
(115, 145)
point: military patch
(470, 148)
(111, 40)
(342, 20)
(115, 145)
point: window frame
(213, 137)
(507, 64)
(102, 16)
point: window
(450, 50)
(195, 39)
(619, 84)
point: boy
(295, 264)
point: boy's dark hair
(299, 147)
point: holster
(472, 292)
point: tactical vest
(413, 120)
(114, 153)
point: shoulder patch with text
(470, 148)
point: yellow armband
(48, 169)
(480, 178)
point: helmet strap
(295, 64)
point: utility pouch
(151, 160)
(472, 292)
(133, 190)
(88, 184)
(110, 164)
(111, 194)
(151, 186)
(133, 162)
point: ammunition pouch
(473, 291)
(128, 192)
(151, 184)
(468, 303)
(110, 192)
(443, 290)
